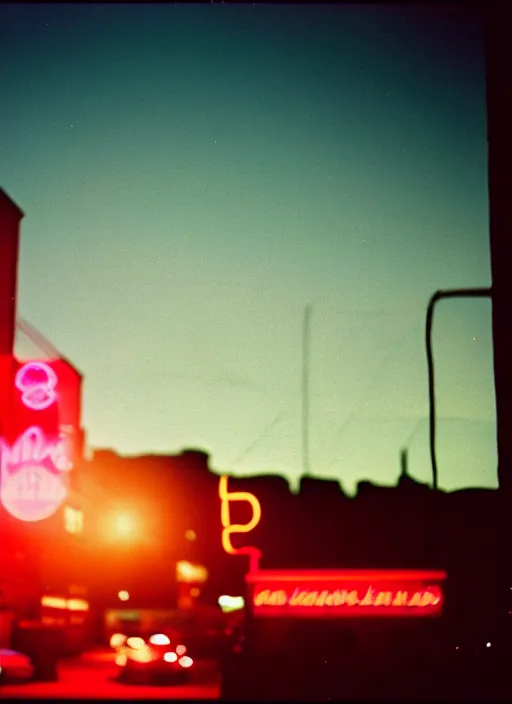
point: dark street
(90, 676)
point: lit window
(73, 520)
(188, 572)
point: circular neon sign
(37, 382)
(32, 493)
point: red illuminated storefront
(40, 448)
(320, 633)
(348, 593)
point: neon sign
(37, 382)
(229, 528)
(33, 493)
(31, 484)
(347, 593)
(327, 593)
(32, 446)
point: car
(157, 659)
(14, 667)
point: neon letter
(32, 446)
(37, 382)
(228, 528)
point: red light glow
(32, 446)
(29, 489)
(229, 528)
(347, 593)
(33, 493)
(37, 382)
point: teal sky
(193, 176)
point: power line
(365, 396)
(37, 338)
(277, 418)
(43, 343)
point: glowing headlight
(159, 639)
(185, 661)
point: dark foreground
(91, 676)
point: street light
(124, 525)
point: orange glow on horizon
(229, 528)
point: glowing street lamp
(124, 525)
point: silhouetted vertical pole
(499, 120)
(498, 52)
(305, 388)
(403, 463)
(431, 389)
(10, 219)
(438, 296)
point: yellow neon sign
(229, 528)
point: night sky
(194, 175)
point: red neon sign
(329, 594)
(229, 528)
(346, 593)
(37, 382)
(33, 493)
(31, 484)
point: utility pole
(438, 296)
(306, 325)
(404, 463)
